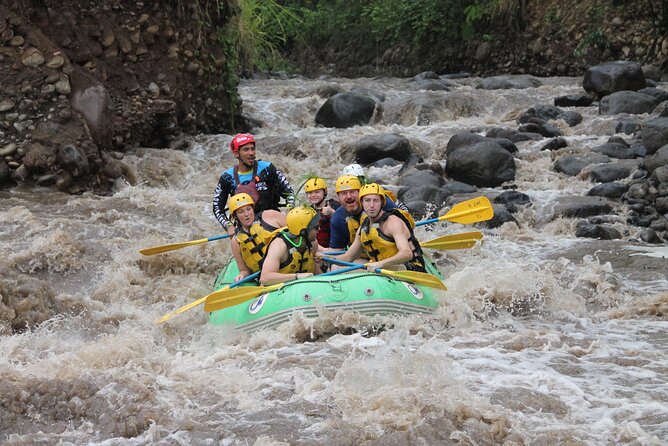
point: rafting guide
(261, 180)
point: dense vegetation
(268, 30)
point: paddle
(470, 211)
(424, 279)
(229, 297)
(170, 315)
(175, 246)
(463, 240)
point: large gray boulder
(346, 110)
(631, 102)
(483, 164)
(610, 77)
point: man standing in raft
(386, 237)
(253, 233)
(261, 180)
(291, 254)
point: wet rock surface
(84, 78)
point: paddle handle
(426, 222)
(349, 264)
(245, 279)
(218, 237)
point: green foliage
(594, 39)
(553, 19)
(413, 21)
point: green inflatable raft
(360, 291)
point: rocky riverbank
(83, 82)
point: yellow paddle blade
(229, 297)
(463, 240)
(424, 279)
(470, 211)
(172, 247)
(178, 311)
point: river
(542, 338)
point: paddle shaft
(201, 300)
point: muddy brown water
(542, 338)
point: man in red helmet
(257, 178)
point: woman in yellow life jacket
(386, 237)
(252, 234)
(291, 252)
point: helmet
(238, 201)
(347, 182)
(354, 170)
(314, 183)
(241, 140)
(302, 218)
(373, 189)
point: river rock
(655, 134)
(575, 206)
(427, 193)
(38, 157)
(93, 102)
(457, 187)
(419, 178)
(375, 147)
(346, 110)
(658, 159)
(32, 58)
(5, 172)
(573, 100)
(609, 172)
(555, 144)
(509, 81)
(608, 190)
(609, 77)
(501, 215)
(511, 199)
(72, 160)
(597, 231)
(616, 150)
(659, 94)
(484, 164)
(631, 102)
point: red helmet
(241, 140)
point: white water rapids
(541, 339)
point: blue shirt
(340, 237)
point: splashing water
(542, 338)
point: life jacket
(250, 188)
(300, 253)
(379, 246)
(253, 243)
(353, 222)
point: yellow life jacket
(254, 242)
(353, 222)
(300, 253)
(379, 246)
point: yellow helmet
(302, 218)
(314, 183)
(347, 182)
(372, 189)
(238, 201)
